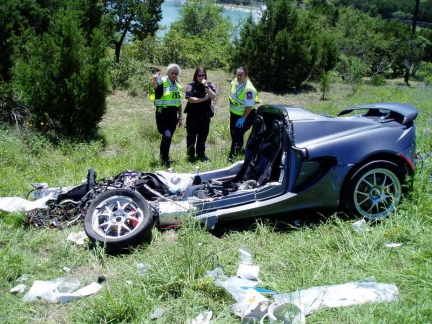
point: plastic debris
(157, 313)
(217, 273)
(245, 256)
(50, 290)
(236, 286)
(15, 204)
(142, 269)
(203, 318)
(253, 306)
(59, 290)
(77, 238)
(361, 226)
(18, 289)
(83, 292)
(247, 271)
(393, 245)
(349, 294)
(285, 313)
(24, 277)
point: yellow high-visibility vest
(236, 98)
(171, 96)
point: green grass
(323, 251)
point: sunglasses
(201, 75)
(173, 73)
(239, 74)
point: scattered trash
(83, 292)
(66, 269)
(142, 269)
(15, 204)
(361, 226)
(24, 277)
(50, 290)
(245, 256)
(101, 279)
(59, 290)
(77, 238)
(203, 318)
(349, 294)
(247, 271)
(217, 273)
(253, 306)
(285, 313)
(393, 245)
(18, 289)
(237, 286)
(157, 313)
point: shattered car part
(294, 160)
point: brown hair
(199, 70)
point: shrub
(62, 78)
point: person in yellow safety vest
(167, 97)
(242, 99)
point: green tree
(61, 76)
(139, 18)
(281, 50)
(200, 37)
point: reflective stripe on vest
(236, 98)
(172, 94)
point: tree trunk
(119, 44)
(415, 18)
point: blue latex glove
(240, 122)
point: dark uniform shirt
(202, 109)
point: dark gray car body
(318, 158)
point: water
(170, 13)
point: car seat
(252, 149)
(268, 154)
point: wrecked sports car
(360, 162)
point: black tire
(119, 218)
(375, 190)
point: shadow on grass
(282, 223)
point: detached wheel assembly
(375, 190)
(119, 218)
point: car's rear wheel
(119, 218)
(375, 190)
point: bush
(377, 80)
(62, 78)
(425, 73)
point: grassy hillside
(321, 251)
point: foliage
(425, 73)
(324, 83)
(282, 50)
(131, 75)
(388, 8)
(61, 77)
(200, 37)
(139, 18)
(352, 70)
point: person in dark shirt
(199, 111)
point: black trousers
(166, 122)
(197, 131)
(237, 133)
